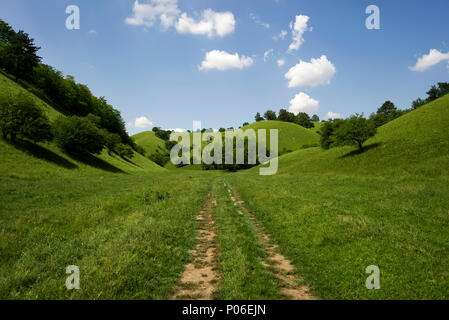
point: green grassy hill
(27, 160)
(149, 141)
(416, 143)
(291, 137)
(335, 212)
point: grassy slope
(291, 136)
(334, 212)
(100, 213)
(47, 158)
(149, 141)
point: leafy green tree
(327, 132)
(111, 140)
(21, 56)
(418, 103)
(20, 116)
(304, 120)
(315, 118)
(286, 116)
(354, 131)
(78, 135)
(258, 117)
(222, 130)
(245, 124)
(270, 115)
(387, 108)
(124, 151)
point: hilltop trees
(435, 92)
(270, 115)
(258, 117)
(315, 118)
(352, 131)
(386, 113)
(304, 120)
(20, 116)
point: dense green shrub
(20, 116)
(124, 151)
(78, 135)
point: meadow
(130, 225)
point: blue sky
(147, 62)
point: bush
(78, 135)
(111, 140)
(124, 151)
(20, 116)
(160, 158)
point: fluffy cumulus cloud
(303, 103)
(147, 14)
(429, 60)
(267, 54)
(167, 13)
(211, 24)
(298, 28)
(142, 122)
(222, 60)
(313, 73)
(332, 115)
(280, 62)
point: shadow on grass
(95, 162)
(42, 153)
(358, 151)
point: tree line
(301, 118)
(90, 123)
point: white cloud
(178, 130)
(313, 73)
(257, 21)
(267, 54)
(142, 122)
(211, 24)
(298, 28)
(332, 115)
(167, 13)
(281, 35)
(303, 103)
(222, 60)
(429, 60)
(92, 31)
(280, 62)
(147, 14)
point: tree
(124, 151)
(327, 132)
(270, 115)
(245, 124)
(354, 131)
(78, 135)
(315, 118)
(387, 108)
(111, 140)
(286, 116)
(222, 130)
(304, 120)
(418, 103)
(258, 117)
(20, 116)
(21, 56)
